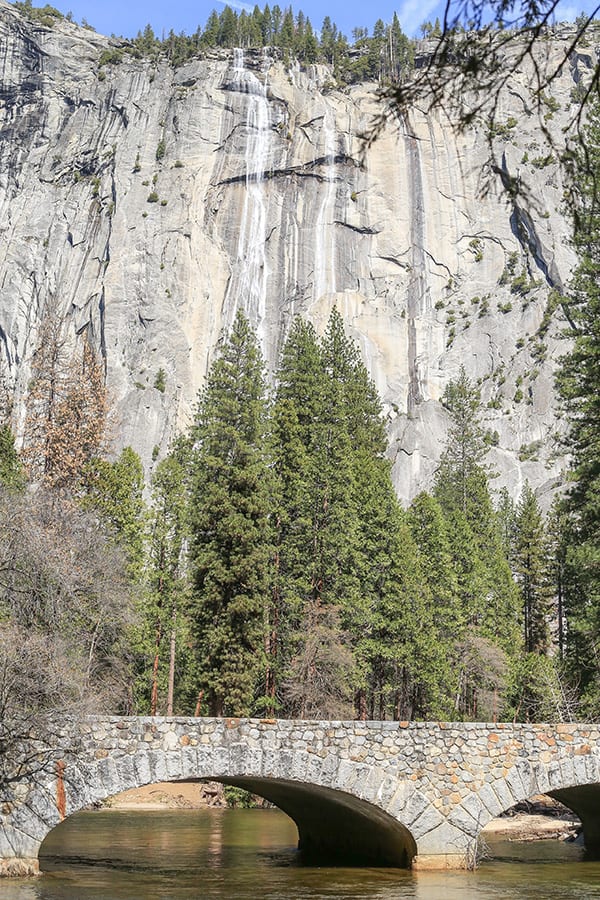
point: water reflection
(242, 854)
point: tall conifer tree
(166, 582)
(317, 520)
(488, 595)
(230, 547)
(579, 384)
(442, 622)
(531, 568)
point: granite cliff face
(147, 203)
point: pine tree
(211, 30)
(116, 491)
(557, 533)
(579, 384)
(166, 583)
(230, 545)
(343, 543)
(441, 624)
(295, 424)
(67, 409)
(488, 595)
(531, 568)
(395, 646)
(316, 523)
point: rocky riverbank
(171, 795)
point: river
(241, 854)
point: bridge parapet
(398, 792)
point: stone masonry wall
(442, 781)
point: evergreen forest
(385, 54)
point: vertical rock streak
(325, 262)
(248, 285)
(418, 287)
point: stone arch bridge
(395, 793)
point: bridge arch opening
(334, 828)
(584, 800)
(555, 815)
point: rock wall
(146, 204)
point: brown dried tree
(67, 408)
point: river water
(242, 854)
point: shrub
(112, 57)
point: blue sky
(127, 18)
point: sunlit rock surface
(147, 204)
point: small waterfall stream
(248, 283)
(325, 239)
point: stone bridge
(395, 793)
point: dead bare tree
(65, 607)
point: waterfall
(248, 284)
(325, 261)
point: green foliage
(386, 56)
(110, 57)
(12, 474)
(160, 149)
(530, 565)
(579, 384)
(536, 690)
(238, 798)
(437, 621)
(115, 491)
(529, 451)
(487, 596)
(160, 382)
(541, 162)
(152, 197)
(522, 284)
(43, 15)
(163, 639)
(230, 549)
(504, 130)
(348, 590)
(476, 245)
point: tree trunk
(154, 693)
(360, 703)
(171, 684)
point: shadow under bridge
(335, 827)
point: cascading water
(248, 283)
(325, 262)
